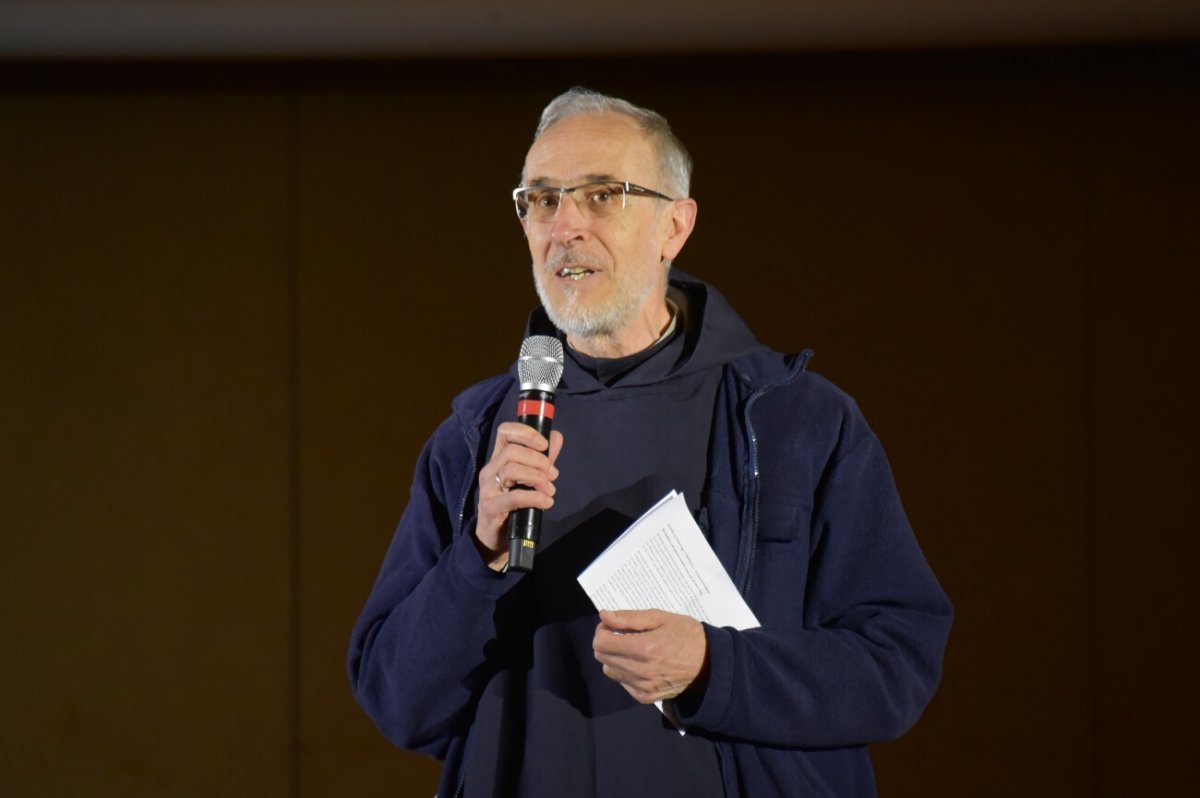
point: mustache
(570, 257)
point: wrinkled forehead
(589, 147)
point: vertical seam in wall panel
(1088, 455)
(293, 334)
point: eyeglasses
(594, 200)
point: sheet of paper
(663, 561)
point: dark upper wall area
(68, 29)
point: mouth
(573, 273)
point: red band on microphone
(535, 407)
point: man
(514, 679)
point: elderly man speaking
(511, 675)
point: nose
(569, 222)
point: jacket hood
(713, 333)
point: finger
(518, 464)
(533, 476)
(491, 478)
(556, 444)
(632, 620)
(512, 432)
(619, 648)
(495, 508)
(499, 504)
(514, 466)
(644, 691)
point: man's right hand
(521, 457)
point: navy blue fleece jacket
(800, 507)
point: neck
(630, 340)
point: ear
(678, 227)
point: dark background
(237, 295)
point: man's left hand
(653, 654)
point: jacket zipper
(746, 556)
(473, 451)
(742, 570)
(752, 547)
(744, 587)
(465, 489)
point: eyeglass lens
(594, 200)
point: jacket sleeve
(854, 624)
(419, 643)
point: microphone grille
(540, 365)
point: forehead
(589, 147)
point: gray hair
(674, 163)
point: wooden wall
(234, 299)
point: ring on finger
(500, 481)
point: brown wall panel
(1145, 431)
(143, 336)
(377, 369)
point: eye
(602, 195)
(543, 199)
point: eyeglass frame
(627, 190)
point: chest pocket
(781, 521)
(780, 579)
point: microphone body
(535, 408)
(539, 368)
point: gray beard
(580, 321)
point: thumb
(556, 444)
(629, 620)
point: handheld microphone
(539, 368)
